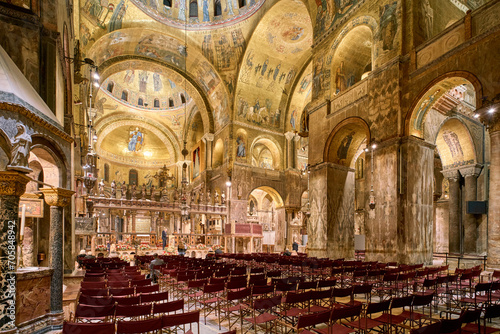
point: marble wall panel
(441, 226)
(418, 185)
(340, 214)
(382, 221)
(33, 298)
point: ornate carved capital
(13, 183)
(208, 137)
(451, 174)
(57, 196)
(470, 170)
(289, 135)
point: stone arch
(55, 165)
(108, 123)
(273, 146)
(418, 111)
(358, 131)
(351, 56)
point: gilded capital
(57, 196)
(13, 183)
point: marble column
(454, 206)
(208, 139)
(317, 227)
(470, 174)
(57, 198)
(289, 149)
(493, 122)
(12, 186)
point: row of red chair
(171, 322)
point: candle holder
(21, 262)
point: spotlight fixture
(366, 149)
(374, 146)
(96, 84)
(491, 110)
(476, 115)
(96, 76)
(228, 183)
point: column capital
(208, 137)
(13, 183)
(181, 162)
(470, 170)
(57, 196)
(289, 135)
(451, 174)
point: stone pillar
(12, 186)
(289, 149)
(454, 206)
(470, 174)
(493, 122)
(208, 139)
(57, 198)
(417, 206)
(317, 227)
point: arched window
(170, 102)
(167, 3)
(156, 103)
(106, 172)
(140, 101)
(132, 177)
(217, 8)
(111, 85)
(242, 3)
(183, 98)
(124, 95)
(193, 8)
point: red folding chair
(121, 291)
(92, 328)
(157, 297)
(235, 303)
(134, 312)
(141, 282)
(147, 288)
(173, 323)
(310, 321)
(93, 285)
(125, 300)
(95, 301)
(94, 292)
(263, 313)
(88, 313)
(366, 322)
(339, 313)
(139, 326)
(168, 307)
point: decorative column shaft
(289, 149)
(454, 206)
(12, 186)
(470, 174)
(57, 198)
(208, 139)
(494, 200)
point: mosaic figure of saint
(136, 140)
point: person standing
(164, 237)
(155, 262)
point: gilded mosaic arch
(108, 124)
(455, 145)
(423, 102)
(135, 43)
(123, 63)
(273, 146)
(345, 139)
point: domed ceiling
(274, 57)
(201, 15)
(145, 90)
